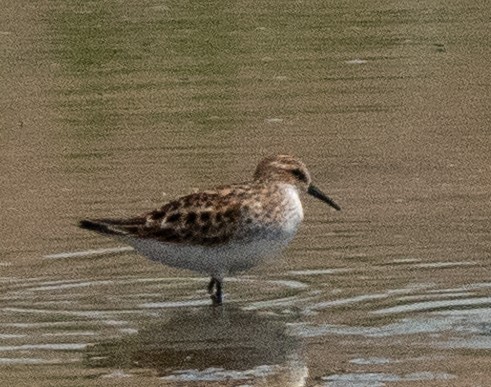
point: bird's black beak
(317, 193)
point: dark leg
(211, 285)
(218, 293)
(216, 297)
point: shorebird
(222, 231)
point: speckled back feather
(206, 218)
(258, 209)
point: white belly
(215, 261)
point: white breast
(293, 211)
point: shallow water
(109, 109)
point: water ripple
(430, 305)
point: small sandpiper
(225, 230)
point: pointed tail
(116, 227)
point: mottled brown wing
(205, 218)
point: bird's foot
(216, 299)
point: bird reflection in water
(207, 344)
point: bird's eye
(299, 174)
